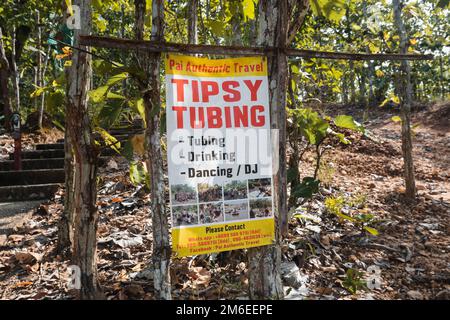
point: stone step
(30, 164)
(120, 137)
(125, 131)
(30, 177)
(47, 146)
(33, 164)
(53, 153)
(28, 192)
(40, 154)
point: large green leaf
(347, 122)
(307, 188)
(111, 141)
(99, 94)
(138, 174)
(312, 126)
(109, 113)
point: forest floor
(324, 257)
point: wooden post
(264, 262)
(85, 156)
(405, 90)
(150, 62)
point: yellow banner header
(203, 67)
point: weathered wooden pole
(405, 90)
(151, 94)
(264, 262)
(85, 157)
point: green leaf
(99, 94)
(291, 174)
(127, 150)
(69, 6)
(396, 119)
(138, 174)
(248, 7)
(345, 217)
(341, 136)
(116, 78)
(311, 125)
(55, 100)
(116, 96)
(110, 113)
(307, 188)
(36, 93)
(140, 108)
(347, 122)
(111, 141)
(372, 231)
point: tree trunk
(85, 156)
(4, 88)
(39, 74)
(65, 226)
(152, 102)
(264, 262)
(352, 81)
(405, 90)
(192, 22)
(15, 72)
(66, 223)
(441, 77)
(362, 87)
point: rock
(415, 295)
(443, 295)
(291, 276)
(3, 239)
(420, 186)
(295, 294)
(134, 291)
(42, 210)
(329, 269)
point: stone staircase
(43, 169)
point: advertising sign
(219, 154)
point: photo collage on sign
(235, 200)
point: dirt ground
(325, 257)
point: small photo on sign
(209, 192)
(235, 190)
(236, 210)
(184, 215)
(183, 194)
(261, 208)
(260, 188)
(211, 212)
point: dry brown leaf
(200, 275)
(138, 142)
(15, 237)
(23, 284)
(25, 258)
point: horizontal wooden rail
(152, 46)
